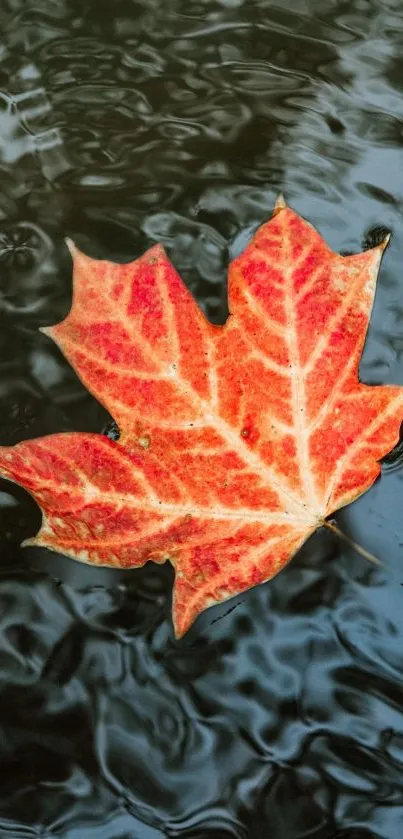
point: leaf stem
(333, 526)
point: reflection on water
(280, 713)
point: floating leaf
(236, 441)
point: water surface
(280, 714)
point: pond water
(280, 714)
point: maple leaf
(236, 441)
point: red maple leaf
(236, 441)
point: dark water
(122, 124)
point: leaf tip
(46, 330)
(30, 543)
(384, 244)
(280, 204)
(155, 253)
(71, 246)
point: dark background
(280, 714)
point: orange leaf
(236, 441)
